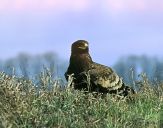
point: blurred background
(123, 34)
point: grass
(23, 105)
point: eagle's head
(80, 47)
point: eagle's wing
(104, 77)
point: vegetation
(30, 66)
(25, 105)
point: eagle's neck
(80, 62)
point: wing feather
(105, 77)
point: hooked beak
(85, 46)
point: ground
(24, 105)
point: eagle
(93, 77)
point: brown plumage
(91, 76)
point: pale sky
(114, 28)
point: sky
(113, 28)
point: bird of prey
(91, 76)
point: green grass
(22, 105)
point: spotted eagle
(91, 76)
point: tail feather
(123, 91)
